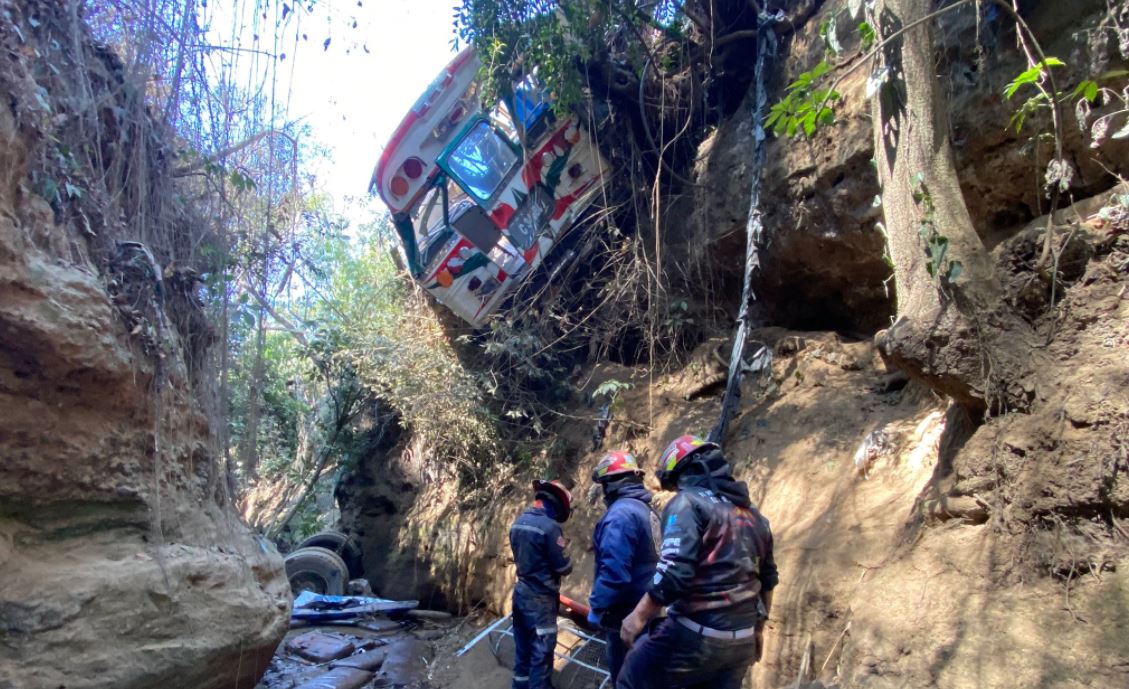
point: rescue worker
(539, 553)
(715, 575)
(624, 545)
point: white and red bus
(477, 211)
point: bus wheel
(317, 570)
(341, 544)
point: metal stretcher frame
(504, 627)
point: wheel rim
(309, 581)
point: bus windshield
(481, 161)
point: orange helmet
(673, 459)
(615, 464)
(555, 492)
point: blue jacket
(539, 553)
(624, 542)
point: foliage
(557, 39)
(942, 269)
(382, 329)
(1101, 94)
(1034, 76)
(610, 390)
(803, 106)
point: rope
(754, 227)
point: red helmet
(555, 492)
(673, 459)
(614, 465)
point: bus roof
(408, 163)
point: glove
(594, 618)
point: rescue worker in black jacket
(715, 576)
(624, 545)
(539, 553)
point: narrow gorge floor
(414, 653)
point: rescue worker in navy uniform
(624, 545)
(715, 576)
(539, 553)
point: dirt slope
(967, 554)
(941, 565)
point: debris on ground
(339, 678)
(406, 662)
(369, 660)
(372, 650)
(317, 647)
(310, 606)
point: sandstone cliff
(122, 562)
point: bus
(480, 195)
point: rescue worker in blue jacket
(539, 553)
(715, 576)
(624, 545)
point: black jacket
(538, 548)
(716, 557)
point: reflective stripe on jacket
(539, 553)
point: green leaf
(866, 35)
(829, 30)
(1031, 75)
(809, 124)
(955, 269)
(1087, 89)
(50, 190)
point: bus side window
(532, 107)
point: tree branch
(198, 165)
(279, 318)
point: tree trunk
(249, 447)
(950, 324)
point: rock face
(953, 555)
(823, 263)
(122, 563)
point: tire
(343, 545)
(317, 570)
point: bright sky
(352, 99)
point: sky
(353, 93)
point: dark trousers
(671, 656)
(535, 638)
(617, 651)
